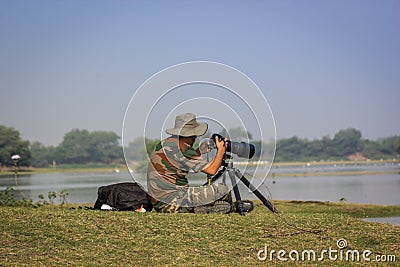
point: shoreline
(7, 172)
(31, 170)
(321, 163)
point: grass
(57, 235)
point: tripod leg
(215, 177)
(256, 192)
(239, 202)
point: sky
(322, 65)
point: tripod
(234, 173)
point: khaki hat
(186, 125)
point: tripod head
(227, 159)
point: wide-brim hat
(187, 125)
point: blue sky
(322, 65)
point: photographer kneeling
(170, 163)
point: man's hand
(221, 145)
(212, 167)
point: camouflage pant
(189, 197)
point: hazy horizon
(323, 66)
(254, 139)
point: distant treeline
(346, 144)
(84, 147)
(77, 147)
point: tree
(104, 146)
(389, 145)
(315, 150)
(398, 145)
(290, 149)
(346, 142)
(140, 148)
(138, 151)
(81, 146)
(76, 146)
(371, 149)
(40, 155)
(12, 144)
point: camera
(242, 149)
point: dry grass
(57, 236)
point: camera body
(242, 149)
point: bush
(7, 198)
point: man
(170, 163)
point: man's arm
(212, 167)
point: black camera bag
(123, 196)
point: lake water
(370, 188)
(388, 220)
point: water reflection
(81, 187)
(369, 188)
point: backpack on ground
(123, 196)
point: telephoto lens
(242, 149)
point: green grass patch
(57, 236)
